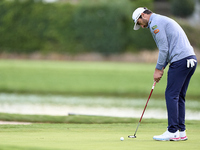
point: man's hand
(158, 74)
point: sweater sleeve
(160, 37)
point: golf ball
(121, 138)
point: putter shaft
(134, 136)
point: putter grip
(154, 84)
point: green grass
(84, 78)
(93, 136)
(82, 119)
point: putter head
(131, 136)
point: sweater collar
(150, 19)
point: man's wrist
(159, 67)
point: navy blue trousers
(177, 83)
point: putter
(134, 136)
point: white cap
(136, 14)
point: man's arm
(160, 37)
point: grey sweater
(170, 39)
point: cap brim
(136, 26)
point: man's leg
(182, 99)
(174, 85)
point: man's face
(142, 22)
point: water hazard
(101, 106)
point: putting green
(93, 136)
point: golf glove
(191, 62)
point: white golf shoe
(183, 135)
(168, 136)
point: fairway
(93, 136)
(85, 78)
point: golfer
(174, 49)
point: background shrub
(100, 27)
(182, 8)
(106, 27)
(23, 26)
